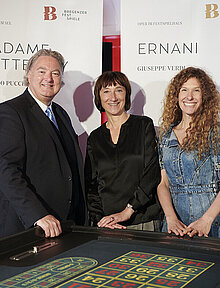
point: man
(41, 169)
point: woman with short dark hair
(122, 169)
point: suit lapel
(43, 120)
(71, 132)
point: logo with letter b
(49, 13)
(211, 11)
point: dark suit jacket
(35, 176)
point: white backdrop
(159, 38)
(72, 27)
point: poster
(160, 38)
(71, 27)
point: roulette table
(99, 257)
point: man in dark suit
(41, 168)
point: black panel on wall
(106, 56)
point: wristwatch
(129, 206)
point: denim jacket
(193, 183)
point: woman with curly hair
(189, 155)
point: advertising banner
(71, 27)
(160, 38)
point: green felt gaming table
(97, 257)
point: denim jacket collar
(169, 139)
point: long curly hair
(204, 120)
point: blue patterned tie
(51, 117)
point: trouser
(154, 226)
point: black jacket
(35, 176)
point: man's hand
(50, 225)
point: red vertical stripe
(116, 60)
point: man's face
(45, 78)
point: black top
(122, 173)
